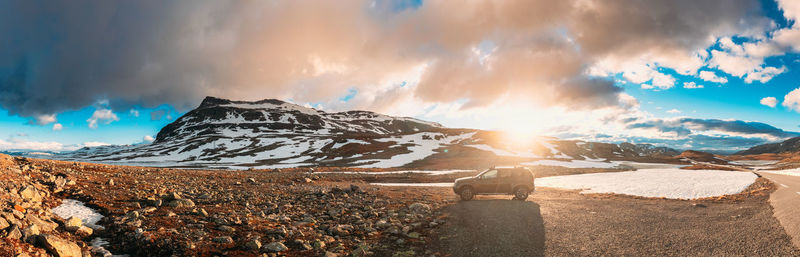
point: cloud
(792, 100)
(683, 127)
(179, 51)
(710, 76)
(43, 119)
(674, 111)
(57, 127)
(148, 139)
(105, 116)
(134, 113)
(746, 60)
(94, 144)
(691, 85)
(769, 101)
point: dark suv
(517, 181)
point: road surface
(786, 203)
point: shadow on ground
(492, 228)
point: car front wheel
(466, 194)
(521, 194)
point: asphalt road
(786, 203)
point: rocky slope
(788, 146)
(271, 133)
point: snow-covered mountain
(271, 133)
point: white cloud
(792, 100)
(106, 116)
(769, 101)
(94, 144)
(57, 127)
(674, 111)
(710, 76)
(22, 144)
(691, 85)
(764, 75)
(148, 139)
(134, 113)
(746, 60)
(647, 86)
(44, 119)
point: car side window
(490, 174)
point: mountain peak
(211, 101)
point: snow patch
(589, 163)
(72, 208)
(668, 183)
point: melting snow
(72, 208)
(668, 183)
(414, 184)
(428, 172)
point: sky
(704, 75)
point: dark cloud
(62, 55)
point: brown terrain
(302, 212)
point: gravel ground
(565, 223)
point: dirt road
(565, 223)
(785, 201)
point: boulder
(275, 247)
(178, 203)
(84, 231)
(29, 193)
(419, 208)
(223, 240)
(253, 244)
(60, 247)
(73, 224)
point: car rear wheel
(466, 194)
(521, 194)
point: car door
(487, 182)
(505, 178)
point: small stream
(73, 208)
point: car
(516, 181)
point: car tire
(466, 194)
(521, 193)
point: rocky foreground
(163, 212)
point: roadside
(785, 201)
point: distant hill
(790, 145)
(271, 133)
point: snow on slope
(420, 149)
(502, 152)
(573, 163)
(668, 183)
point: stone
(308, 180)
(30, 233)
(409, 253)
(44, 225)
(318, 244)
(111, 182)
(84, 231)
(172, 196)
(419, 208)
(330, 254)
(14, 233)
(73, 224)
(4, 224)
(178, 203)
(223, 240)
(133, 215)
(60, 247)
(226, 229)
(275, 247)
(30, 194)
(414, 235)
(253, 244)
